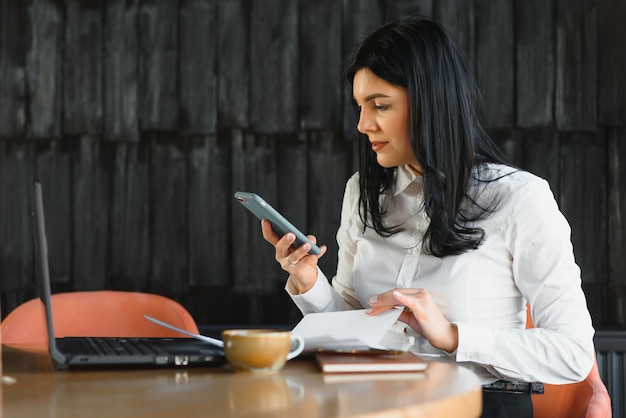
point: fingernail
(290, 237)
(373, 299)
(370, 310)
(306, 247)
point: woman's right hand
(301, 266)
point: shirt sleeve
(560, 347)
(323, 297)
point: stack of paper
(345, 330)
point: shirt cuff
(476, 343)
(317, 299)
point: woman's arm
(307, 285)
(560, 349)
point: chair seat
(104, 313)
(586, 399)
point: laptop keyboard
(122, 346)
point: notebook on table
(85, 352)
(370, 362)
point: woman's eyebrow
(371, 97)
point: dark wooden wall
(142, 117)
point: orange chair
(586, 399)
(103, 313)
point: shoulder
(353, 181)
(352, 186)
(350, 204)
(351, 194)
(510, 182)
(521, 196)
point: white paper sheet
(345, 329)
(204, 338)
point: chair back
(587, 399)
(103, 313)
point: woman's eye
(381, 107)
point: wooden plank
(510, 142)
(274, 58)
(12, 69)
(11, 299)
(396, 9)
(320, 64)
(494, 61)
(278, 309)
(611, 62)
(329, 171)
(598, 300)
(576, 65)
(583, 200)
(158, 52)
(82, 68)
(534, 62)
(16, 251)
(234, 63)
(53, 169)
(360, 17)
(121, 70)
(606, 305)
(293, 180)
(130, 216)
(253, 164)
(617, 206)
(217, 306)
(210, 201)
(168, 205)
(90, 222)
(43, 68)
(458, 18)
(198, 66)
(292, 198)
(541, 155)
(612, 308)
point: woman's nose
(365, 124)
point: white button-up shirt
(526, 256)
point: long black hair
(446, 135)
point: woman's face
(384, 116)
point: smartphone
(263, 210)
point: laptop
(86, 352)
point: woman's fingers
(410, 300)
(392, 299)
(286, 255)
(301, 266)
(268, 233)
(301, 255)
(421, 313)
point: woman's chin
(386, 163)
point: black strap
(526, 388)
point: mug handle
(299, 347)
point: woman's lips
(377, 146)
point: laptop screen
(42, 267)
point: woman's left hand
(421, 313)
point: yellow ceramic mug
(260, 350)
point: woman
(436, 221)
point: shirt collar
(404, 178)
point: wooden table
(33, 388)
